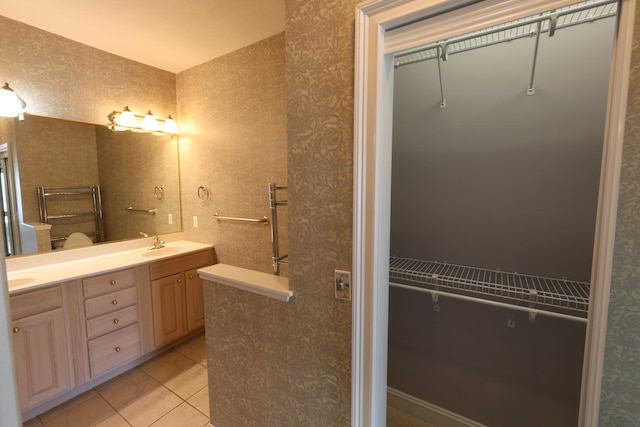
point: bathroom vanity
(84, 316)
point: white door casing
(384, 27)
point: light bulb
(10, 104)
(127, 118)
(150, 123)
(169, 126)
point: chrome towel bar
(263, 220)
(151, 211)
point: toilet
(76, 240)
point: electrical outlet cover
(343, 284)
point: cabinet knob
(179, 280)
(117, 349)
(116, 321)
(113, 282)
(16, 330)
(191, 276)
(114, 302)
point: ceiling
(170, 35)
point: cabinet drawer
(109, 282)
(35, 302)
(114, 349)
(182, 263)
(112, 321)
(110, 302)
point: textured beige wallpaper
(60, 78)
(234, 142)
(288, 364)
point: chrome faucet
(157, 243)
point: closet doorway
(496, 157)
(385, 29)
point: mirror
(134, 170)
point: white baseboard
(426, 411)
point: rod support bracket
(533, 297)
(434, 300)
(553, 24)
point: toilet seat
(76, 240)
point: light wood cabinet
(195, 300)
(177, 295)
(111, 313)
(85, 330)
(169, 321)
(40, 346)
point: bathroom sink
(17, 280)
(170, 250)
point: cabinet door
(42, 357)
(169, 320)
(195, 300)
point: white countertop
(268, 285)
(29, 272)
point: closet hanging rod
(263, 220)
(531, 311)
(547, 16)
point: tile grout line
(182, 400)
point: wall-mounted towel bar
(276, 258)
(149, 211)
(263, 220)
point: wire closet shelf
(556, 297)
(586, 11)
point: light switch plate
(343, 284)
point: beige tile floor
(167, 391)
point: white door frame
(384, 27)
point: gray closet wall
(499, 179)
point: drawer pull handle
(113, 282)
(16, 330)
(117, 349)
(114, 302)
(116, 321)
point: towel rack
(263, 220)
(276, 258)
(80, 206)
(150, 211)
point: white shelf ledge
(257, 282)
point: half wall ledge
(268, 285)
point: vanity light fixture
(11, 105)
(127, 120)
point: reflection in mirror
(133, 170)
